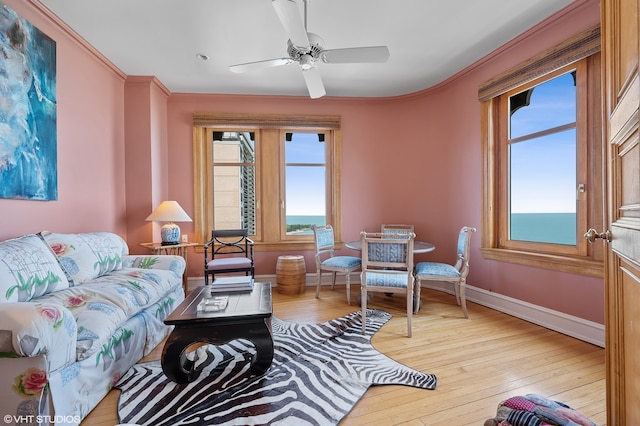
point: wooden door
(621, 48)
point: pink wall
(91, 180)
(429, 141)
(147, 170)
(429, 146)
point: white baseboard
(588, 331)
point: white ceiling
(429, 40)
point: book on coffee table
(213, 304)
(232, 284)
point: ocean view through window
(305, 176)
(274, 175)
(544, 159)
(302, 224)
(558, 228)
(543, 162)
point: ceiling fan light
(307, 49)
(306, 62)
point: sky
(541, 180)
(305, 186)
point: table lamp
(170, 212)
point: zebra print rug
(319, 372)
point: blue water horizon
(555, 228)
(318, 220)
(306, 220)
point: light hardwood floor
(479, 362)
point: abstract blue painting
(28, 139)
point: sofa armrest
(29, 329)
(173, 263)
(24, 389)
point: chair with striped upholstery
(387, 267)
(396, 228)
(326, 260)
(456, 273)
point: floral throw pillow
(89, 255)
(28, 269)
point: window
(234, 180)
(542, 151)
(273, 175)
(545, 210)
(305, 182)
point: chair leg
(456, 290)
(333, 283)
(417, 301)
(463, 298)
(363, 304)
(319, 283)
(348, 288)
(409, 307)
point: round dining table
(418, 246)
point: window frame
(580, 249)
(212, 164)
(269, 131)
(586, 259)
(329, 180)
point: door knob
(591, 235)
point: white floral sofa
(76, 312)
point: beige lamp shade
(169, 211)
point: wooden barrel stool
(291, 274)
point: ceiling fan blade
(260, 65)
(356, 55)
(314, 82)
(289, 14)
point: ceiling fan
(308, 48)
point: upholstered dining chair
(387, 266)
(396, 228)
(391, 229)
(326, 260)
(456, 273)
(231, 251)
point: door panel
(631, 341)
(621, 50)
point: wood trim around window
(578, 47)
(589, 263)
(222, 120)
(268, 239)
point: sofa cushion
(173, 263)
(145, 286)
(98, 312)
(104, 304)
(88, 255)
(28, 269)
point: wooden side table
(181, 249)
(291, 274)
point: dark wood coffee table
(247, 316)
